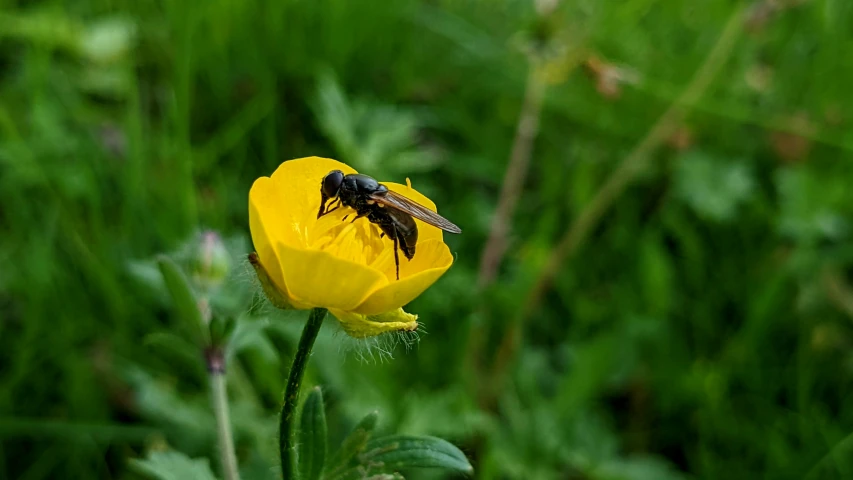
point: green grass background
(702, 330)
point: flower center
(357, 241)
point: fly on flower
(392, 212)
(307, 262)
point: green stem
(291, 393)
(219, 399)
(223, 427)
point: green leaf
(812, 206)
(173, 466)
(636, 468)
(221, 329)
(182, 297)
(715, 188)
(250, 333)
(354, 444)
(394, 452)
(312, 437)
(372, 136)
(174, 348)
(359, 474)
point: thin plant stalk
(215, 359)
(219, 399)
(516, 173)
(291, 393)
(526, 131)
(616, 184)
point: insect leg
(338, 205)
(329, 210)
(396, 254)
(381, 233)
(359, 215)
(323, 200)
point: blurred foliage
(703, 330)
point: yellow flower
(305, 262)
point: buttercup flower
(305, 262)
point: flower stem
(291, 393)
(219, 399)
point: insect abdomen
(407, 233)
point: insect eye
(332, 183)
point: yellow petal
(425, 231)
(361, 326)
(320, 279)
(265, 225)
(298, 184)
(431, 260)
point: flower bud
(210, 262)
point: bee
(392, 212)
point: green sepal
(272, 293)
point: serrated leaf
(182, 297)
(370, 135)
(354, 444)
(312, 437)
(394, 452)
(714, 188)
(173, 466)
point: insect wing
(395, 200)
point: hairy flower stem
(219, 398)
(291, 392)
